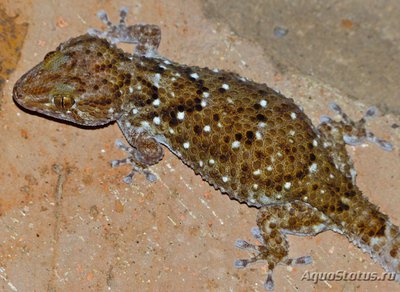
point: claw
(122, 15)
(242, 244)
(304, 260)
(241, 264)
(128, 179)
(102, 15)
(255, 231)
(385, 145)
(118, 162)
(352, 140)
(269, 283)
(338, 110)
(371, 112)
(150, 176)
(121, 145)
(325, 119)
(335, 107)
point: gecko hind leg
(336, 134)
(355, 132)
(146, 37)
(300, 219)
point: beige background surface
(69, 223)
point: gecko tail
(389, 257)
(384, 249)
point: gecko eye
(63, 102)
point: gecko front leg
(145, 150)
(274, 222)
(146, 37)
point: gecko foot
(274, 222)
(354, 132)
(146, 37)
(263, 255)
(136, 167)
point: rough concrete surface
(351, 45)
(69, 223)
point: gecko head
(83, 81)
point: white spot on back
(258, 135)
(225, 178)
(269, 168)
(157, 120)
(263, 103)
(293, 116)
(206, 94)
(186, 145)
(207, 128)
(181, 115)
(235, 144)
(225, 86)
(156, 79)
(194, 75)
(313, 168)
(287, 185)
(156, 102)
(257, 172)
(203, 103)
(211, 161)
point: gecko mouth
(26, 100)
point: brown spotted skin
(244, 138)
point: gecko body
(244, 138)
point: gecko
(244, 138)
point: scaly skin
(244, 138)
